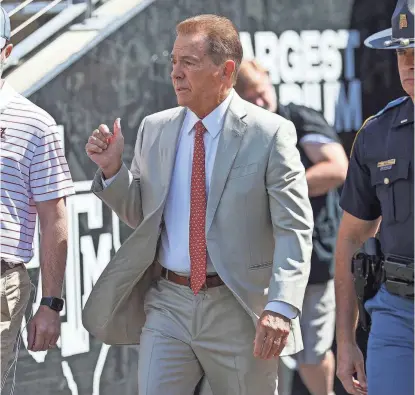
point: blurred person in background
(379, 190)
(218, 197)
(35, 180)
(326, 164)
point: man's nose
(176, 71)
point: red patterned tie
(197, 239)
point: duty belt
(399, 275)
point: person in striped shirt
(35, 180)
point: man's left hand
(44, 329)
(271, 335)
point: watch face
(57, 304)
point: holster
(367, 274)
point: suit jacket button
(386, 180)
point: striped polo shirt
(33, 169)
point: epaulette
(390, 105)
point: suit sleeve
(292, 219)
(123, 194)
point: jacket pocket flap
(262, 265)
(244, 170)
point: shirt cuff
(107, 182)
(316, 139)
(282, 308)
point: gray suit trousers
(187, 335)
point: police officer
(378, 198)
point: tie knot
(200, 128)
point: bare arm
(353, 232)
(53, 245)
(329, 169)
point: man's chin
(408, 86)
(182, 100)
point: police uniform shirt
(312, 127)
(380, 179)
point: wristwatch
(52, 302)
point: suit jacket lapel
(228, 147)
(168, 145)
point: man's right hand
(105, 149)
(350, 361)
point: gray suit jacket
(259, 220)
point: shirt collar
(212, 122)
(6, 94)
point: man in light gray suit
(213, 277)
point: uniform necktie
(197, 239)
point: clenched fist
(106, 148)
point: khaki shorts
(15, 294)
(317, 322)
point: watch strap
(52, 302)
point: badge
(386, 164)
(403, 22)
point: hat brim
(377, 41)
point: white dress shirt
(174, 247)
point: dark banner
(315, 55)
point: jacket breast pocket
(242, 171)
(394, 189)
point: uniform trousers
(187, 335)
(390, 352)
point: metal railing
(43, 10)
(64, 12)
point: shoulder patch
(357, 133)
(390, 105)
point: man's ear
(229, 69)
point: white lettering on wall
(313, 68)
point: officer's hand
(106, 148)
(350, 361)
(43, 329)
(271, 335)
